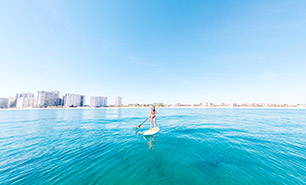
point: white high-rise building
(24, 100)
(47, 98)
(74, 100)
(11, 102)
(98, 101)
(4, 103)
(118, 101)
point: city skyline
(47, 99)
(156, 51)
(38, 98)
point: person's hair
(153, 108)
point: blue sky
(176, 51)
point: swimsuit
(152, 114)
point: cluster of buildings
(52, 99)
(267, 105)
(222, 105)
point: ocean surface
(194, 146)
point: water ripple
(194, 146)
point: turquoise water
(194, 146)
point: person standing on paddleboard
(153, 116)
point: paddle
(142, 123)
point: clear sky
(174, 51)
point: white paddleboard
(151, 131)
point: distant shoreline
(78, 108)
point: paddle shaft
(143, 122)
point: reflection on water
(151, 140)
(117, 112)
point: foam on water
(194, 146)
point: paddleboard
(151, 131)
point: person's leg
(151, 123)
(155, 122)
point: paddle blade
(138, 127)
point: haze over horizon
(156, 51)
